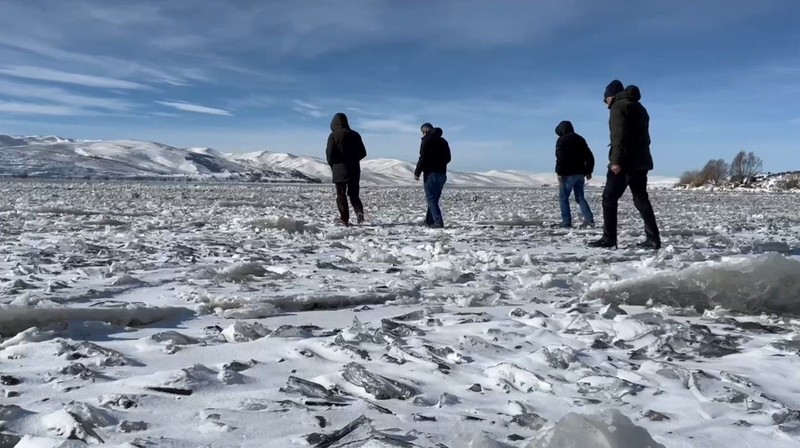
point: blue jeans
(567, 185)
(434, 184)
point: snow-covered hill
(57, 157)
(389, 172)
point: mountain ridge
(59, 157)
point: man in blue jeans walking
(434, 155)
(574, 165)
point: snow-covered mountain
(389, 172)
(57, 157)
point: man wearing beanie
(629, 162)
(434, 155)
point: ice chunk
(560, 357)
(356, 433)
(241, 272)
(610, 429)
(767, 283)
(306, 388)
(611, 311)
(90, 414)
(241, 331)
(379, 386)
(70, 426)
(518, 378)
(174, 338)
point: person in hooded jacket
(630, 161)
(574, 165)
(344, 154)
(434, 155)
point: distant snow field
(230, 315)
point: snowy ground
(206, 315)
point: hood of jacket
(564, 128)
(339, 121)
(631, 93)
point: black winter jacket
(629, 124)
(573, 156)
(345, 151)
(434, 155)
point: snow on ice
(223, 315)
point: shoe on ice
(360, 218)
(603, 243)
(649, 244)
(437, 225)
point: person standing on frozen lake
(344, 153)
(574, 166)
(629, 162)
(434, 155)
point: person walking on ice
(434, 155)
(574, 166)
(629, 162)
(344, 154)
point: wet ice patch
(767, 283)
(610, 429)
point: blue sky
(717, 76)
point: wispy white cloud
(46, 74)
(389, 126)
(60, 96)
(196, 108)
(39, 109)
(308, 109)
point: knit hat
(426, 128)
(613, 88)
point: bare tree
(745, 166)
(715, 171)
(693, 178)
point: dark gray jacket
(345, 151)
(629, 124)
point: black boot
(603, 243)
(650, 244)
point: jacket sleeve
(421, 161)
(362, 150)
(329, 150)
(616, 125)
(559, 156)
(589, 159)
(448, 156)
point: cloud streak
(60, 96)
(195, 108)
(389, 126)
(39, 109)
(46, 74)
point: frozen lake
(186, 315)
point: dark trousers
(434, 184)
(343, 191)
(615, 188)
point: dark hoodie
(629, 124)
(573, 156)
(434, 154)
(345, 151)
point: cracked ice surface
(184, 315)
